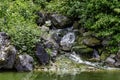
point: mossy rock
(103, 56)
(87, 34)
(91, 41)
(82, 49)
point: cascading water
(73, 56)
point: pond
(104, 75)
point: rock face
(67, 41)
(7, 52)
(24, 63)
(42, 55)
(60, 21)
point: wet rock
(73, 56)
(67, 41)
(7, 52)
(60, 21)
(42, 55)
(24, 63)
(91, 41)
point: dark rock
(60, 21)
(24, 63)
(91, 41)
(76, 25)
(41, 19)
(42, 55)
(67, 41)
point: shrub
(17, 18)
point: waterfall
(73, 56)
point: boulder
(82, 49)
(7, 52)
(117, 58)
(91, 41)
(59, 21)
(42, 55)
(7, 57)
(67, 41)
(118, 54)
(110, 60)
(24, 63)
(117, 64)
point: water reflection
(49, 76)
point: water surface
(104, 75)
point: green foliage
(17, 18)
(100, 16)
(41, 3)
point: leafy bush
(17, 18)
